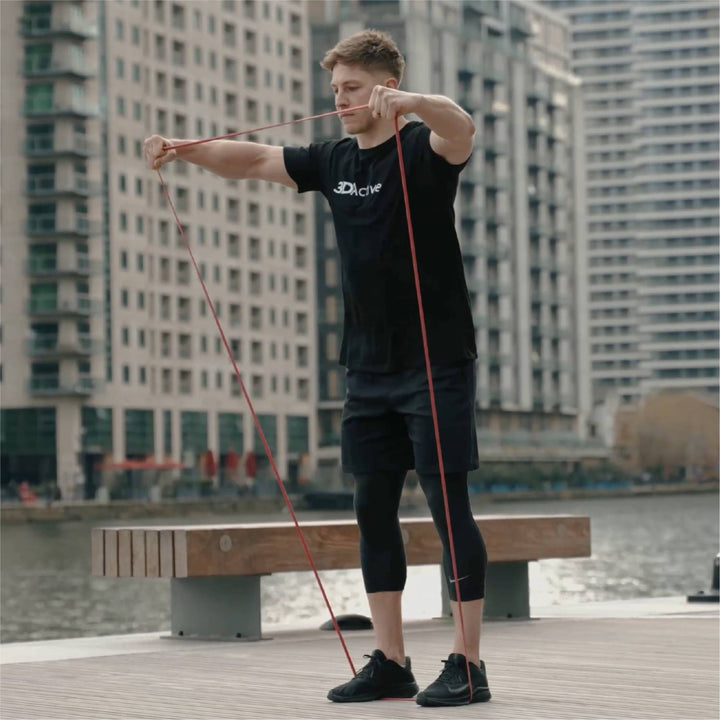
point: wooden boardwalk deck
(659, 667)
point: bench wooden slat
(97, 552)
(167, 557)
(124, 553)
(181, 564)
(138, 553)
(152, 553)
(111, 556)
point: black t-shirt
(364, 190)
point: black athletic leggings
(382, 553)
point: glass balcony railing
(48, 224)
(78, 305)
(47, 25)
(44, 145)
(53, 345)
(41, 185)
(79, 265)
(48, 67)
(73, 107)
(53, 385)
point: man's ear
(392, 82)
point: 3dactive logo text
(350, 188)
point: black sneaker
(451, 688)
(380, 678)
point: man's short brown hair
(370, 50)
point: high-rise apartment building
(650, 82)
(108, 347)
(520, 213)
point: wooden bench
(215, 570)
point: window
(178, 17)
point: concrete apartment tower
(649, 72)
(108, 349)
(520, 214)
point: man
(387, 425)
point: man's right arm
(227, 158)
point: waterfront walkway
(640, 659)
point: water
(641, 547)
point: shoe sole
(402, 691)
(478, 697)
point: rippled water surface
(642, 547)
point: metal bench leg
(226, 608)
(507, 591)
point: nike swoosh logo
(463, 689)
(458, 690)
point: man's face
(352, 86)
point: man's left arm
(452, 129)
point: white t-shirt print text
(345, 187)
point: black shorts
(387, 422)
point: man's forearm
(444, 117)
(227, 158)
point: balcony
(538, 229)
(472, 249)
(493, 218)
(80, 306)
(49, 185)
(536, 160)
(495, 358)
(493, 322)
(45, 225)
(48, 146)
(52, 346)
(519, 23)
(496, 253)
(52, 385)
(496, 111)
(537, 94)
(471, 176)
(59, 108)
(495, 183)
(50, 266)
(495, 147)
(491, 76)
(495, 287)
(47, 68)
(471, 214)
(74, 27)
(496, 397)
(475, 285)
(551, 365)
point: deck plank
(556, 668)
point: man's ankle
(474, 659)
(395, 656)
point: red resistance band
(261, 434)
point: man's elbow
(469, 128)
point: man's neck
(379, 134)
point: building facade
(650, 80)
(109, 350)
(520, 214)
